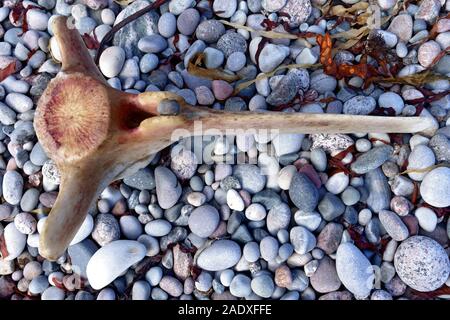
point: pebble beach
(277, 216)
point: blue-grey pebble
(158, 228)
(226, 276)
(148, 62)
(379, 190)
(241, 286)
(393, 225)
(372, 159)
(279, 217)
(359, 105)
(153, 43)
(263, 286)
(7, 115)
(354, 270)
(269, 248)
(187, 21)
(12, 187)
(236, 61)
(53, 293)
(80, 254)
(319, 159)
(213, 58)
(203, 282)
(168, 190)
(210, 30)
(38, 155)
(38, 284)
(142, 179)
(302, 239)
(167, 24)
(204, 220)
(222, 254)
(130, 227)
(154, 275)
(251, 251)
(30, 199)
(331, 207)
(303, 192)
(141, 290)
(250, 177)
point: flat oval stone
(15, 241)
(360, 105)
(111, 260)
(221, 255)
(12, 187)
(303, 193)
(393, 225)
(422, 263)
(168, 190)
(372, 159)
(325, 279)
(354, 270)
(158, 228)
(111, 61)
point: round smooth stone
(167, 25)
(263, 286)
(111, 260)
(430, 256)
(427, 219)
(111, 61)
(240, 286)
(158, 228)
(354, 270)
(221, 255)
(435, 187)
(255, 212)
(15, 241)
(204, 220)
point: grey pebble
(379, 190)
(263, 286)
(106, 229)
(204, 220)
(250, 177)
(269, 248)
(12, 187)
(354, 270)
(279, 217)
(372, 159)
(168, 190)
(331, 207)
(240, 286)
(303, 193)
(187, 21)
(393, 225)
(422, 263)
(143, 179)
(231, 42)
(167, 25)
(221, 255)
(302, 239)
(359, 105)
(210, 31)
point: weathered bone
(96, 134)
